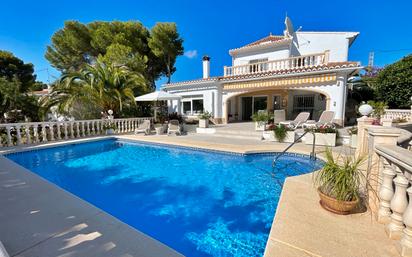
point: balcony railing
(15, 134)
(304, 61)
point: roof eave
(246, 49)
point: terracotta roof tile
(270, 39)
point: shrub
(341, 177)
(205, 115)
(261, 117)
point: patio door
(247, 107)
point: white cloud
(191, 54)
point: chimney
(206, 67)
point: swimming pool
(200, 203)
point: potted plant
(279, 133)
(353, 133)
(339, 183)
(204, 119)
(109, 127)
(261, 118)
(324, 135)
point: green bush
(394, 84)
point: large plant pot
(335, 206)
(353, 141)
(203, 123)
(270, 136)
(260, 126)
(325, 139)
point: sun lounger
(174, 127)
(326, 118)
(143, 127)
(298, 121)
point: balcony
(299, 62)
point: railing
(15, 134)
(304, 61)
(394, 114)
(395, 194)
(312, 154)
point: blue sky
(213, 27)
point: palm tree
(102, 86)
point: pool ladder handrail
(312, 154)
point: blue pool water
(200, 203)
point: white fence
(14, 134)
(396, 114)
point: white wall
(317, 42)
(274, 53)
(210, 100)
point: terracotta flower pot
(336, 206)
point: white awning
(157, 96)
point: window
(186, 107)
(303, 103)
(197, 105)
(259, 103)
(192, 105)
(276, 102)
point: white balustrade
(298, 62)
(41, 132)
(395, 194)
(398, 114)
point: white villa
(297, 71)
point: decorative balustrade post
(98, 124)
(36, 133)
(87, 128)
(44, 132)
(77, 129)
(65, 131)
(28, 136)
(83, 129)
(18, 134)
(386, 192)
(51, 131)
(9, 141)
(72, 130)
(59, 135)
(406, 241)
(398, 205)
(93, 123)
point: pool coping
(137, 140)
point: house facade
(297, 71)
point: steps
(241, 134)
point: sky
(212, 27)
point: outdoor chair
(298, 121)
(326, 118)
(143, 127)
(279, 116)
(174, 127)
